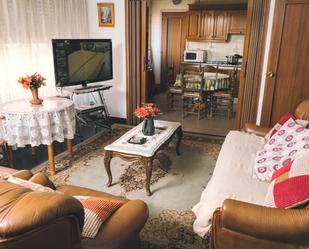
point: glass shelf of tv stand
(93, 115)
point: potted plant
(147, 111)
(33, 82)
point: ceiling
(221, 1)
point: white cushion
(232, 178)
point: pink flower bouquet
(146, 110)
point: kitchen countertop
(221, 64)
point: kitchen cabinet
(237, 22)
(207, 25)
(193, 23)
(220, 26)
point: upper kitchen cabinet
(193, 24)
(237, 22)
(220, 26)
(207, 25)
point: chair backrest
(210, 69)
(193, 81)
(191, 69)
(170, 76)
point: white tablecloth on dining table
(53, 120)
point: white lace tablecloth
(163, 131)
(25, 123)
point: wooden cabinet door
(193, 19)
(287, 77)
(220, 26)
(172, 45)
(206, 25)
(237, 22)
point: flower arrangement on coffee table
(33, 82)
(147, 111)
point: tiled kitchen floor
(217, 125)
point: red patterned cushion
(278, 125)
(285, 146)
(97, 210)
(282, 121)
(290, 188)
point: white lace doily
(25, 123)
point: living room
(90, 159)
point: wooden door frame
(164, 45)
(257, 20)
(136, 89)
(253, 58)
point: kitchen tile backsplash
(218, 51)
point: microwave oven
(195, 56)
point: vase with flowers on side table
(33, 82)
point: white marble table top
(163, 131)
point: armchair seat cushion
(232, 178)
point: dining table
(28, 124)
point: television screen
(82, 61)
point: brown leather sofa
(240, 225)
(44, 220)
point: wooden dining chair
(223, 101)
(174, 88)
(193, 92)
(6, 150)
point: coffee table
(145, 153)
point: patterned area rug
(176, 182)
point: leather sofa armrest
(254, 129)
(24, 174)
(38, 178)
(22, 210)
(280, 225)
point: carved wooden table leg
(51, 159)
(70, 148)
(107, 164)
(148, 163)
(179, 137)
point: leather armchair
(247, 226)
(36, 220)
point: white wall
(216, 51)
(116, 96)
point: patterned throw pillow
(97, 210)
(282, 121)
(283, 147)
(179, 80)
(291, 187)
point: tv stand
(86, 87)
(93, 115)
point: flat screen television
(82, 61)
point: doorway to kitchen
(207, 43)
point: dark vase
(148, 126)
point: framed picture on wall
(106, 14)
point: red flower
(147, 110)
